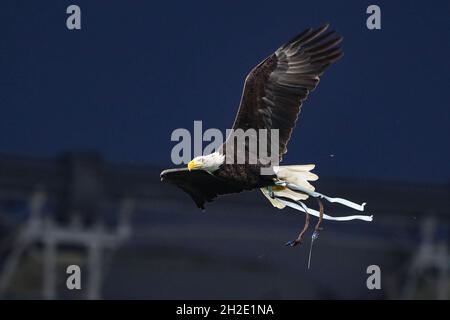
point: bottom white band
(316, 213)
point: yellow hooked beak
(192, 165)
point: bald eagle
(273, 94)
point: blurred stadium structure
(134, 237)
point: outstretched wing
(276, 88)
(200, 185)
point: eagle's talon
(292, 243)
(315, 235)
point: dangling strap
(316, 213)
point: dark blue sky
(139, 69)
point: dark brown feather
(200, 185)
(275, 89)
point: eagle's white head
(210, 162)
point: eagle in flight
(273, 94)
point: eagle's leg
(318, 228)
(299, 239)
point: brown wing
(275, 89)
(200, 185)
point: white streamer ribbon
(345, 202)
(303, 208)
(325, 216)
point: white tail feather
(275, 202)
(295, 174)
(290, 194)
